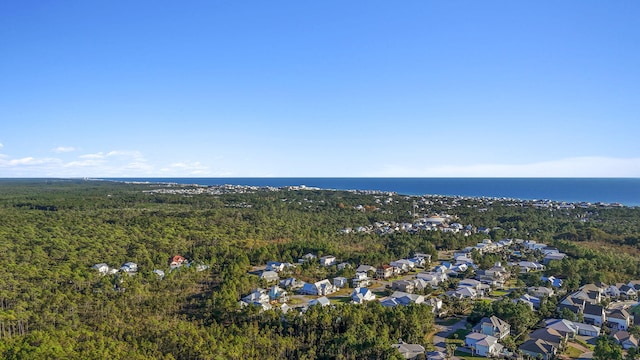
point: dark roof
(619, 314)
(538, 346)
(590, 309)
(551, 336)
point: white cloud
(1, 146)
(115, 163)
(63, 149)
(99, 155)
(570, 167)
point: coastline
(606, 191)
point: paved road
(586, 356)
(444, 331)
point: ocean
(625, 191)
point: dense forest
(53, 304)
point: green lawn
(497, 293)
(462, 333)
(635, 310)
(572, 352)
(341, 299)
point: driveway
(444, 331)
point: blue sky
(325, 88)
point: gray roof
(538, 346)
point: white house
(483, 345)
(322, 301)
(362, 294)
(322, 287)
(619, 319)
(102, 268)
(361, 280)
(129, 267)
(257, 296)
(327, 260)
(594, 314)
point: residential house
(277, 266)
(465, 253)
(263, 306)
(538, 348)
(400, 265)
(493, 326)
(463, 293)
(463, 259)
(344, 265)
(556, 338)
(291, 283)
(404, 298)
(340, 282)
(129, 268)
(403, 285)
(366, 269)
(628, 292)
(540, 291)
(285, 308)
(435, 303)
(594, 314)
(257, 295)
(634, 284)
(612, 291)
(532, 301)
(322, 301)
(361, 280)
(553, 257)
(420, 285)
(497, 271)
(159, 272)
(389, 302)
(528, 266)
(327, 260)
(384, 272)
(436, 355)
(479, 288)
(102, 268)
(322, 287)
(572, 328)
(483, 345)
(433, 278)
(470, 283)
(403, 264)
(276, 293)
(362, 294)
(177, 261)
(307, 257)
(553, 281)
(619, 319)
(425, 257)
(269, 276)
(625, 339)
(409, 351)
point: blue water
(625, 191)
